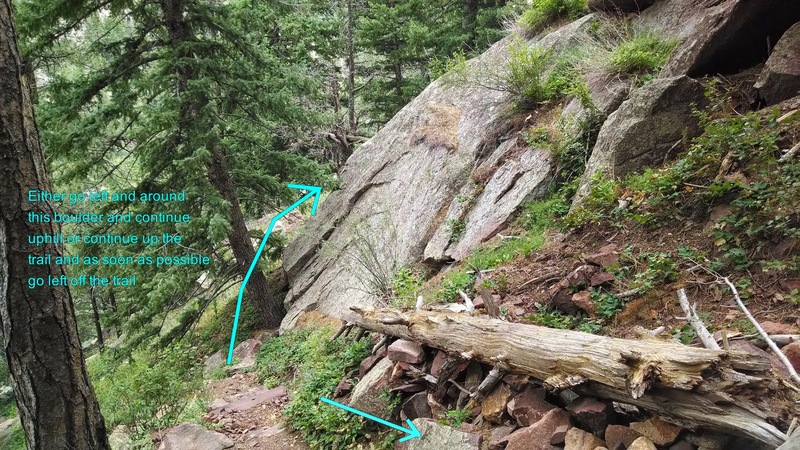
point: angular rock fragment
(405, 351)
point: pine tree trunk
(270, 310)
(57, 405)
(97, 325)
(219, 176)
(351, 70)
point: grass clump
(542, 13)
(315, 366)
(641, 53)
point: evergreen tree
(176, 95)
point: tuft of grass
(542, 13)
(640, 54)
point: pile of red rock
(519, 413)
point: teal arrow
(412, 431)
(313, 191)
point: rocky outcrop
(619, 5)
(780, 79)
(404, 188)
(646, 130)
(719, 36)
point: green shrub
(534, 75)
(13, 438)
(542, 13)
(316, 365)
(641, 53)
(152, 391)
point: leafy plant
(551, 318)
(316, 365)
(452, 282)
(151, 391)
(534, 75)
(607, 303)
(407, 282)
(457, 228)
(456, 417)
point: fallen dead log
(728, 389)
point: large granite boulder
(719, 36)
(619, 5)
(780, 79)
(401, 189)
(646, 130)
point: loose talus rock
(719, 390)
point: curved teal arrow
(314, 191)
(412, 431)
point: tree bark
(98, 327)
(179, 30)
(351, 70)
(270, 310)
(730, 389)
(57, 405)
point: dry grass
(440, 127)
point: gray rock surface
(619, 5)
(214, 362)
(647, 129)
(438, 437)
(192, 436)
(718, 36)
(367, 396)
(780, 78)
(399, 188)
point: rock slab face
(720, 36)
(245, 401)
(646, 130)
(195, 437)
(577, 439)
(367, 393)
(658, 431)
(438, 437)
(400, 188)
(780, 78)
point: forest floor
(259, 427)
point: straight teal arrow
(412, 431)
(314, 191)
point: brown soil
(657, 307)
(260, 427)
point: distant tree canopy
(228, 101)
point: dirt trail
(250, 415)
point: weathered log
(729, 389)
